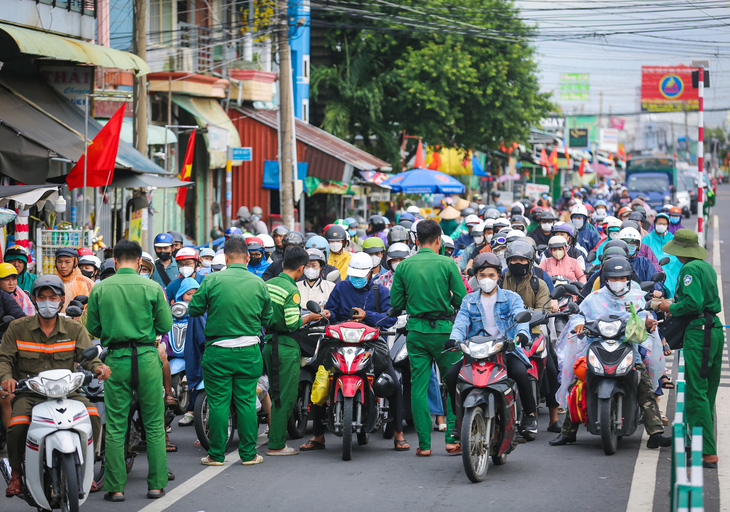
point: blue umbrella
(424, 181)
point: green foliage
(455, 72)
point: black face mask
(164, 256)
(519, 269)
(255, 261)
(88, 273)
(174, 252)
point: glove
(449, 344)
(523, 340)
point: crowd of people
(454, 275)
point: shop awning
(208, 113)
(28, 195)
(155, 134)
(127, 179)
(43, 44)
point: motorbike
(94, 391)
(488, 409)
(564, 292)
(58, 469)
(297, 423)
(402, 367)
(179, 382)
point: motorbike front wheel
(388, 419)
(68, 482)
(347, 413)
(201, 417)
(179, 385)
(607, 415)
(297, 424)
(476, 434)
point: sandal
(311, 445)
(454, 450)
(170, 399)
(666, 382)
(170, 447)
(401, 446)
(423, 453)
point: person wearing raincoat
(656, 239)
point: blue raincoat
(656, 243)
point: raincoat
(75, 284)
(656, 243)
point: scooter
(179, 381)
(402, 367)
(488, 409)
(59, 450)
(299, 418)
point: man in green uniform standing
(238, 305)
(429, 287)
(281, 352)
(697, 296)
(127, 312)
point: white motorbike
(59, 450)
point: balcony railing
(84, 7)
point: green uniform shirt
(127, 307)
(427, 284)
(696, 290)
(237, 302)
(26, 350)
(285, 304)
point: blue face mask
(674, 220)
(632, 250)
(352, 232)
(358, 282)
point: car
(684, 197)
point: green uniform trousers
(117, 402)
(20, 423)
(700, 393)
(232, 373)
(289, 365)
(423, 350)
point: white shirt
(241, 341)
(319, 293)
(488, 303)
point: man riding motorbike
(313, 287)
(73, 281)
(257, 262)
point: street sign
(609, 140)
(578, 138)
(242, 154)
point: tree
(455, 72)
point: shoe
(658, 440)
(555, 427)
(117, 498)
(562, 440)
(155, 494)
(529, 431)
(266, 432)
(170, 476)
(256, 460)
(14, 487)
(709, 465)
(168, 429)
(287, 450)
(187, 420)
(207, 461)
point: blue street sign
(243, 154)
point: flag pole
(86, 160)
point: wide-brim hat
(449, 213)
(685, 244)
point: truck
(654, 178)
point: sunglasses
(498, 241)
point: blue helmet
(352, 223)
(163, 240)
(319, 242)
(406, 216)
(232, 231)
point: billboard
(667, 89)
(575, 86)
(578, 138)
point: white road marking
(191, 484)
(641, 497)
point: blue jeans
(435, 406)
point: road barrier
(687, 483)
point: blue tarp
(271, 173)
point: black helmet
(631, 224)
(67, 251)
(617, 267)
(520, 219)
(496, 193)
(613, 252)
(384, 385)
(468, 211)
(617, 243)
(107, 269)
(281, 229)
(520, 249)
(336, 233)
(47, 281)
(486, 260)
(177, 236)
(637, 216)
(536, 213)
(398, 234)
(376, 223)
(547, 215)
(293, 238)
(515, 210)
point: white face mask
(487, 285)
(376, 260)
(187, 271)
(478, 239)
(47, 308)
(577, 222)
(394, 264)
(601, 212)
(546, 226)
(311, 273)
(660, 228)
(488, 238)
(205, 263)
(618, 287)
(613, 235)
(335, 246)
(558, 254)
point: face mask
(558, 254)
(48, 308)
(352, 232)
(618, 287)
(601, 213)
(255, 218)
(632, 250)
(335, 246)
(255, 261)
(311, 273)
(146, 275)
(577, 222)
(660, 228)
(187, 271)
(394, 264)
(478, 240)
(488, 238)
(376, 260)
(487, 285)
(87, 273)
(358, 282)
(519, 269)
(613, 235)
(674, 220)
(546, 226)
(502, 259)
(164, 256)
(205, 263)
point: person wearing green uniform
(127, 312)
(697, 296)
(430, 288)
(238, 305)
(281, 352)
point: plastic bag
(321, 386)
(635, 327)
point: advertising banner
(667, 89)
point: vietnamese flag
(435, 160)
(182, 192)
(102, 154)
(553, 159)
(420, 162)
(582, 168)
(544, 158)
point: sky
(611, 40)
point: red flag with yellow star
(182, 192)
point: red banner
(667, 89)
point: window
(305, 110)
(305, 69)
(161, 21)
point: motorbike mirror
(333, 276)
(314, 307)
(83, 299)
(591, 256)
(573, 308)
(647, 286)
(658, 277)
(664, 261)
(523, 317)
(541, 248)
(393, 313)
(558, 292)
(92, 352)
(7, 319)
(572, 289)
(470, 272)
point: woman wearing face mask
(340, 258)
(675, 219)
(313, 287)
(611, 229)
(396, 253)
(642, 266)
(89, 266)
(657, 238)
(560, 263)
(375, 247)
(187, 263)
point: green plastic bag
(635, 327)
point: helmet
(589, 208)
(66, 251)
(281, 229)
(335, 234)
(386, 220)
(520, 249)
(636, 216)
(517, 209)
(206, 251)
(376, 223)
(177, 236)
(255, 244)
(515, 234)
(496, 193)
(90, 260)
(186, 253)
(500, 224)
(163, 240)
(674, 210)
(16, 252)
(488, 224)
(413, 209)
(406, 216)
(617, 267)
(384, 385)
(233, 231)
(219, 262)
(317, 255)
(600, 202)
(492, 213)
(398, 234)
(579, 210)
(471, 220)
(147, 262)
(398, 250)
(564, 228)
(611, 222)
(567, 194)
(557, 241)
(486, 260)
(623, 210)
(661, 216)
(341, 222)
(613, 252)
(520, 219)
(269, 245)
(617, 243)
(477, 229)
(630, 224)
(547, 215)
(318, 242)
(630, 235)
(360, 264)
(84, 251)
(536, 213)
(373, 244)
(296, 238)
(47, 281)
(502, 209)
(257, 210)
(448, 242)
(6, 269)
(468, 211)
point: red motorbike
(488, 409)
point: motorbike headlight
(609, 329)
(351, 335)
(370, 336)
(401, 355)
(36, 386)
(595, 363)
(479, 350)
(179, 310)
(627, 362)
(62, 387)
(465, 348)
(496, 347)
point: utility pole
(287, 119)
(140, 82)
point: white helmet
(500, 224)
(360, 264)
(557, 241)
(489, 224)
(477, 229)
(612, 222)
(515, 234)
(629, 235)
(471, 220)
(413, 209)
(93, 260)
(219, 262)
(579, 209)
(269, 245)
